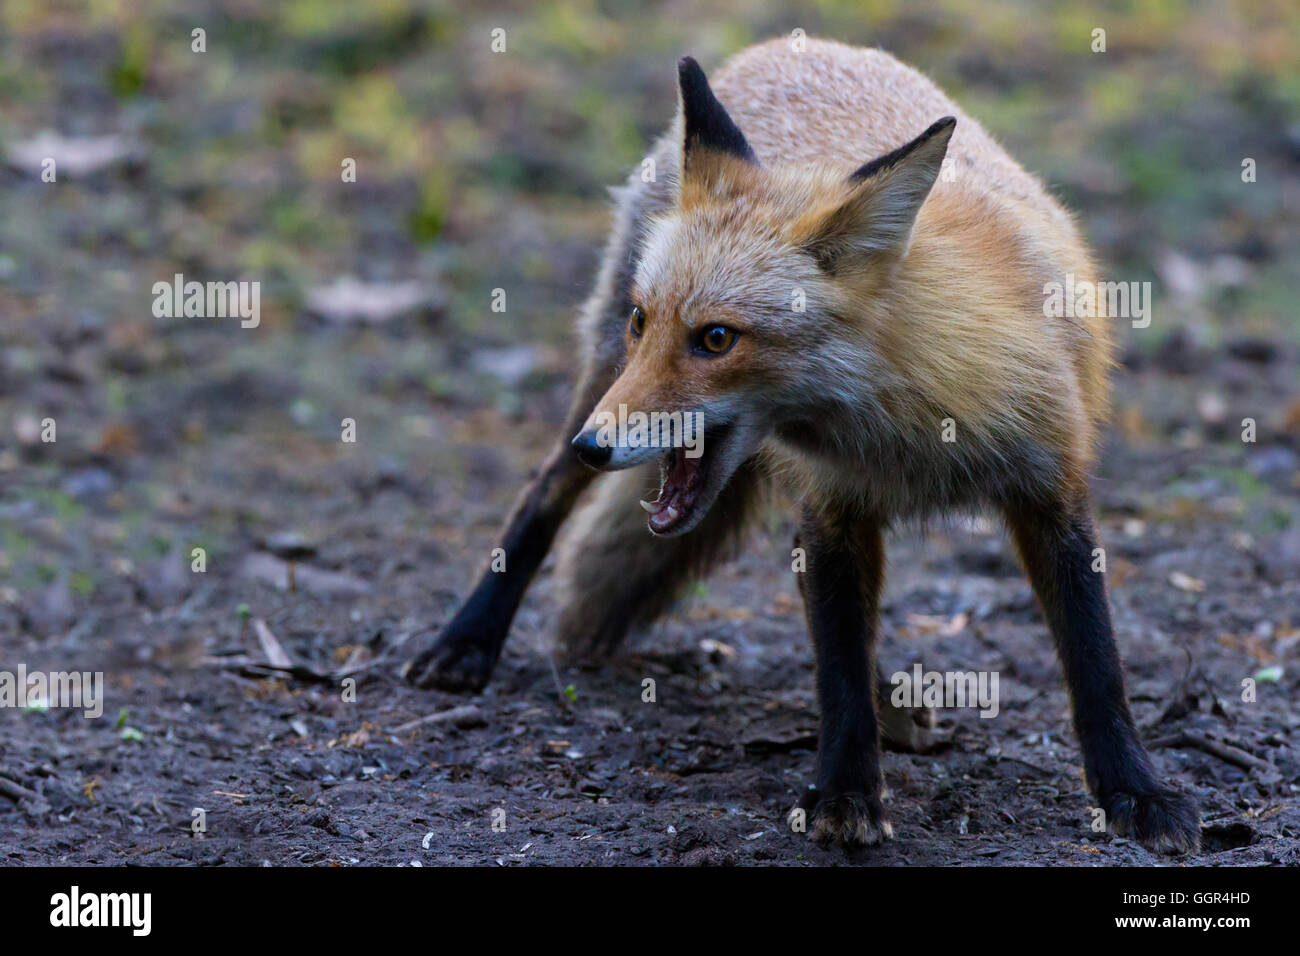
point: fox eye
(637, 322)
(717, 339)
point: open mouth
(687, 484)
(682, 480)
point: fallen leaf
(264, 567)
(118, 440)
(350, 300)
(76, 155)
(1185, 582)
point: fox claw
(453, 664)
(848, 820)
(1165, 822)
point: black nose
(590, 452)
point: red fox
(840, 275)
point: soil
(289, 772)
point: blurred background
(478, 171)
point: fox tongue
(667, 491)
(680, 472)
(677, 491)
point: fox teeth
(670, 513)
(651, 507)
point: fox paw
(907, 729)
(454, 664)
(1166, 821)
(848, 820)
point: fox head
(744, 300)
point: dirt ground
(181, 434)
(289, 773)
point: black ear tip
(941, 127)
(706, 120)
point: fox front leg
(841, 593)
(466, 651)
(1056, 543)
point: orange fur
(950, 327)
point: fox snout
(610, 441)
(591, 451)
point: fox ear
(878, 215)
(708, 126)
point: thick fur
(933, 339)
(918, 375)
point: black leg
(841, 590)
(466, 651)
(1056, 543)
